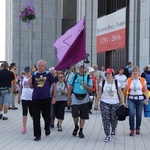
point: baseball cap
(27, 69)
(81, 64)
(109, 70)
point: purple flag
(66, 40)
(75, 53)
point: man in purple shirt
(41, 83)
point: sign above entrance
(111, 31)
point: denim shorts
(5, 97)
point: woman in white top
(109, 103)
(121, 78)
(135, 88)
(25, 96)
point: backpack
(75, 77)
(147, 78)
(126, 72)
(116, 84)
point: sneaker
(14, 108)
(75, 131)
(113, 133)
(81, 135)
(5, 118)
(138, 132)
(57, 124)
(131, 133)
(59, 128)
(1, 116)
(24, 131)
(52, 125)
(95, 108)
(107, 139)
(37, 138)
(90, 112)
(47, 132)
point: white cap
(52, 68)
(81, 64)
(91, 69)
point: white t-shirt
(110, 94)
(26, 90)
(122, 79)
(135, 87)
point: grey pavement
(12, 139)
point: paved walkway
(12, 139)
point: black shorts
(26, 105)
(59, 109)
(81, 111)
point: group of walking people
(112, 95)
(42, 91)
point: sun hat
(91, 69)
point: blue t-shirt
(78, 87)
(42, 83)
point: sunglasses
(60, 77)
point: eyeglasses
(60, 77)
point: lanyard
(134, 83)
(110, 87)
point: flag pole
(85, 44)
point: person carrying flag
(79, 87)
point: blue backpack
(147, 78)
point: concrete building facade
(26, 45)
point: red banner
(111, 41)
